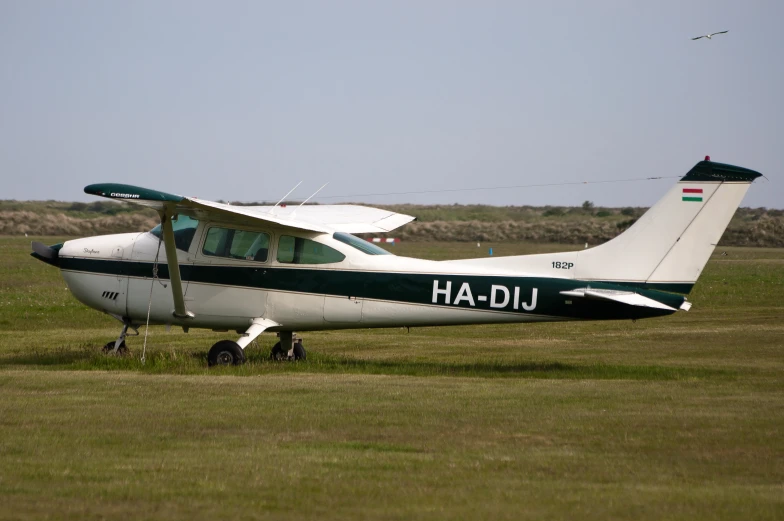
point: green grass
(673, 418)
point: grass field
(673, 418)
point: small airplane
(300, 268)
(710, 36)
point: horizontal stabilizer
(624, 297)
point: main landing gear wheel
(298, 352)
(122, 349)
(225, 352)
(278, 353)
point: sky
(241, 101)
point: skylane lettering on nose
(500, 296)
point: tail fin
(668, 247)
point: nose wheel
(118, 347)
(111, 347)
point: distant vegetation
(60, 218)
(544, 224)
(564, 224)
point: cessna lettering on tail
(124, 196)
(499, 296)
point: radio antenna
(314, 193)
(284, 197)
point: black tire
(299, 351)
(225, 352)
(278, 353)
(109, 348)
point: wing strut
(174, 267)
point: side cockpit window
(236, 244)
(296, 250)
(184, 229)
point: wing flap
(320, 218)
(346, 218)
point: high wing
(317, 218)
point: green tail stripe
(697, 199)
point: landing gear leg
(118, 346)
(287, 342)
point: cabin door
(227, 278)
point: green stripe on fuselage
(412, 288)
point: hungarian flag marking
(692, 194)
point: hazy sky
(241, 100)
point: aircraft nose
(47, 254)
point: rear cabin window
(296, 250)
(360, 244)
(184, 228)
(236, 244)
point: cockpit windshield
(184, 228)
(360, 244)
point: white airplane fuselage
(255, 269)
(114, 274)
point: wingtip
(130, 192)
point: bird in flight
(709, 36)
